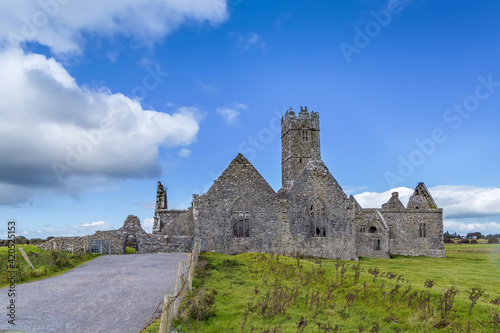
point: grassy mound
(269, 293)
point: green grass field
(264, 293)
(46, 263)
(130, 250)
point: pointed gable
(394, 203)
(240, 174)
(421, 198)
(315, 176)
(376, 221)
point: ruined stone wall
(213, 212)
(175, 222)
(147, 243)
(372, 235)
(316, 182)
(65, 244)
(406, 238)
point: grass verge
(46, 263)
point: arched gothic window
(240, 218)
(317, 219)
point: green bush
(492, 240)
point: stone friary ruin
(310, 214)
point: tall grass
(46, 263)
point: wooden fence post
(190, 269)
(166, 316)
(178, 287)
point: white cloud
(243, 43)
(462, 227)
(375, 200)
(184, 152)
(231, 113)
(147, 225)
(467, 201)
(58, 135)
(64, 25)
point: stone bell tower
(299, 137)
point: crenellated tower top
(299, 136)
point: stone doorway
(131, 245)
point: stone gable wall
(212, 212)
(315, 181)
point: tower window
(376, 244)
(305, 136)
(300, 160)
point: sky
(100, 100)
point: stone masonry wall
(213, 212)
(316, 182)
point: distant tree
(474, 234)
(35, 241)
(21, 240)
(493, 240)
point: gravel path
(116, 293)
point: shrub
(199, 305)
(464, 241)
(492, 240)
(447, 240)
(473, 241)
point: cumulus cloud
(64, 25)
(467, 201)
(375, 199)
(56, 134)
(147, 225)
(243, 43)
(231, 113)
(464, 227)
(465, 208)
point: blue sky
(102, 99)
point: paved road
(116, 293)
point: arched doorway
(131, 245)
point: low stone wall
(66, 244)
(116, 239)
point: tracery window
(240, 218)
(317, 219)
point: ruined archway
(131, 244)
